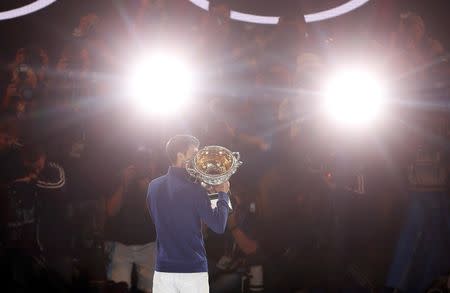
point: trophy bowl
(213, 165)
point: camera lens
(22, 70)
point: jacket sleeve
(55, 177)
(215, 219)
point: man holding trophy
(178, 206)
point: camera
(24, 90)
(22, 71)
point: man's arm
(114, 203)
(245, 243)
(215, 219)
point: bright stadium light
(354, 97)
(160, 84)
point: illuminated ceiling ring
(313, 17)
(26, 9)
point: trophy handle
(191, 171)
(237, 156)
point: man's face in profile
(190, 153)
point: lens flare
(160, 84)
(354, 97)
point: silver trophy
(213, 165)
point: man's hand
(32, 176)
(232, 222)
(224, 187)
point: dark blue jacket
(178, 207)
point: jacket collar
(177, 171)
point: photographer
(24, 82)
(9, 154)
(19, 58)
(129, 227)
(20, 219)
(236, 253)
(33, 179)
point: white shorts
(180, 283)
(123, 258)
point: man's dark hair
(180, 144)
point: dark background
(55, 22)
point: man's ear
(180, 156)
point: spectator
(86, 26)
(20, 58)
(42, 72)
(290, 36)
(220, 17)
(424, 237)
(20, 92)
(409, 47)
(55, 204)
(283, 217)
(411, 32)
(9, 155)
(130, 227)
(23, 260)
(231, 255)
(217, 28)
